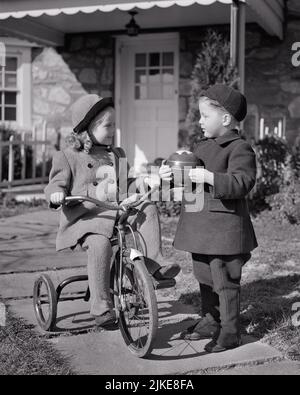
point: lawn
(23, 352)
(270, 285)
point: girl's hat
(86, 108)
(232, 100)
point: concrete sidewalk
(27, 248)
(27, 244)
(106, 352)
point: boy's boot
(209, 324)
(226, 274)
(228, 337)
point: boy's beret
(232, 100)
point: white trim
(118, 91)
(22, 51)
(16, 42)
(108, 7)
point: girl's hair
(83, 141)
(79, 142)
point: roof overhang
(35, 8)
(46, 22)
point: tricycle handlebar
(108, 205)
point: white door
(148, 97)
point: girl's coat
(79, 173)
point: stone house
(58, 50)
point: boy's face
(103, 126)
(211, 120)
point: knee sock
(99, 253)
(209, 302)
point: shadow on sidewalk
(265, 303)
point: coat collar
(228, 137)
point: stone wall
(60, 76)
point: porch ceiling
(40, 21)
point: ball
(181, 162)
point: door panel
(149, 99)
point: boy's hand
(201, 176)
(165, 172)
(57, 198)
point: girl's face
(211, 120)
(102, 128)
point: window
(154, 76)
(9, 89)
(15, 83)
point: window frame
(3, 89)
(22, 51)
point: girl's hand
(131, 199)
(165, 172)
(153, 180)
(57, 198)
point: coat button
(95, 183)
(90, 165)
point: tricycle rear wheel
(45, 302)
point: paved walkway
(27, 248)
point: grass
(23, 352)
(270, 284)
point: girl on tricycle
(90, 167)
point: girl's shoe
(206, 328)
(105, 320)
(166, 272)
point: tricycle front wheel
(138, 314)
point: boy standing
(220, 236)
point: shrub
(295, 158)
(285, 205)
(6, 132)
(271, 154)
(212, 66)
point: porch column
(238, 39)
